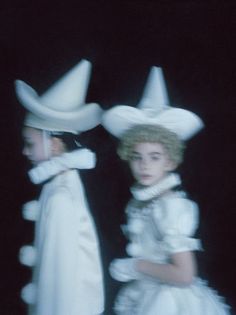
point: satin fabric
(158, 226)
(67, 275)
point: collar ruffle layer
(77, 159)
(146, 193)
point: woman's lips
(145, 176)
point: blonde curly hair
(152, 134)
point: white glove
(124, 269)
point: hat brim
(86, 117)
(120, 118)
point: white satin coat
(67, 271)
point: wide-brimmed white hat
(153, 109)
(62, 107)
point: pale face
(150, 163)
(33, 145)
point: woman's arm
(180, 271)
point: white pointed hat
(62, 107)
(153, 109)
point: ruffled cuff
(27, 255)
(30, 210)
(175, 244)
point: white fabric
(62, 107)
(121, 118)
(28, 293)
(69, 92)
(153, 109)
(155, 91)
(149, 298)
(156, 229)
(79, 159)
(124, 269)
(28, 255)
(141, 193)
(30, 210)
(67, 278)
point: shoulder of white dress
(179, 203)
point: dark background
(194, 42)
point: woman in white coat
(67, 271)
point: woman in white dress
(160, 272)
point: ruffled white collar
(146, 193)
(77, 159)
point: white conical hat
(155, 94)
(153, 109)
(62, 107)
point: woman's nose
(25, 151)
(144, 164)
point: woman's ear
(57, 146)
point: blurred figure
(67, 271)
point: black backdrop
(194, 42)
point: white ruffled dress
(160, 225)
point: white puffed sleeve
(177, 223)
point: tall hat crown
(62, 107)
(153, 109)
(154, 92)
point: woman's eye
(135, 158)
(155, 158)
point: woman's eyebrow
(156, 152)
(152, 152)
(135, 152)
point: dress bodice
(161, 222)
